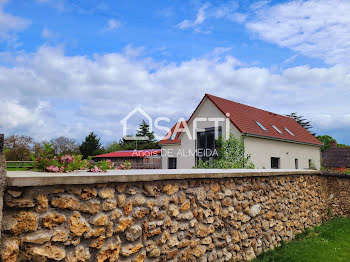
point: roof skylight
(279, 131)
(261, 126)
(289, 131)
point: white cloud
(315, 28)
(47, 33)
(47, 93)
(227, 10)
(27, 120)
(259, 4)
(10, 24)
(112, 24)
(200, 18)
(290, 59)
(14, 114)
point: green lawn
(19, 166)
(328, 242)
(17, 169)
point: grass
(17, 169)
(326, 243)
(18, 166)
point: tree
(327, 141)
(91, 146)
(64, 145)
(145, 132)
(132, 143)
(303, 122)
(37, 148)
(115, 146)
(138, 144)
(17, 148)
(342, 145)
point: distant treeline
(20, 147)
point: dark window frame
(296, 163)
(275, 162)
(172, 165)
(207, 131)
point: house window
(310, 163)
(275, 162)
(206, 144)
(296, 164)
(172, 163)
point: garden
(48, 161)
(338, 170)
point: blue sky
(71, 67)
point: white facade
(260, 149)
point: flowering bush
(102, 166)
(340, 170)
(124, 166)
(47, 162)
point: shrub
(48, 162)
(231, 155)
(124, 166)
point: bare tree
(18, 148)
(36, 149)
(64, 145)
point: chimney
(334, 144)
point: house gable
(205, 109)
(251, 121)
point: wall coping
(30, 178)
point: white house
(272, 140)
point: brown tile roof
(336, 157)
(245, 119)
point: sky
(72, 67)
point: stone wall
(338, 186)
(216, 219)
(2, 176)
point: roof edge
(211, 100)
(281, 139)
(168, 143)
(233, 123)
